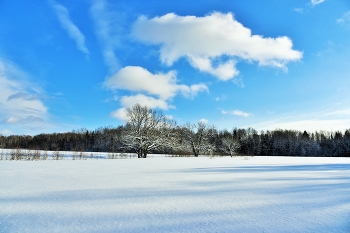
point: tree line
(149, 131)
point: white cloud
(19, 100)
(224, 71)
(316, 2)
(203, 120)
(119, 114)
(163, 85)
(67, 24)
(193, 90)
(236, 113)
(129, 101)
(214, 39)
(107, 32)
(135, 78)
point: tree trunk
(194, 152)
(139, 153)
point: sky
(271, 64)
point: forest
(149, 131)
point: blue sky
(268, 64)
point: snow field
(165, 194)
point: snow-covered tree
(147, 130)
(2, 141)
(196, 137)
(229, 143)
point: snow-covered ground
(165, 194)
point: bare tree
(74, 154)
(6, 155)
(56, 154)
(147, 130)
(16, 154)
(2, 154)
(28, 154)
(45, 154)
(81, 155)
(196, 137)
(36, 154)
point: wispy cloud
(107, 32)
(310, 125)
(20, 102)
(342, 113)
(299, 10)
(114, 98)
(336, 120)
(25, 120)
(23, 96)
(213, 43)
(67, 24)
(239, 82)
(236, 113)
(345, 19)
(316, 2)
(220, 98)
(6, 132)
